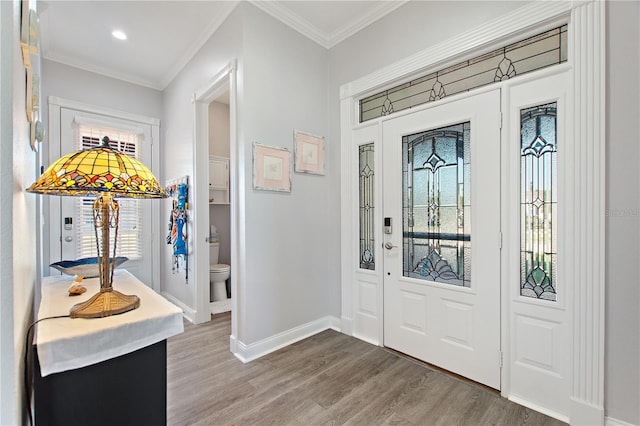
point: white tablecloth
(66, 344)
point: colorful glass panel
(538, 204)
(534, 53)
(96, 170)
(366, 206)
(436, 206)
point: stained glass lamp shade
(108, 174)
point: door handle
(388, 245)
(68, 239)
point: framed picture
(271, 168)
(309, 153)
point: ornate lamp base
(105, 303)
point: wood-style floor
(327, 379)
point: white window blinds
(130, 227)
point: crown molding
(364, 21)
(293, 20)
(518, 21)
(326, 40)
(74, 62)
(215, 24)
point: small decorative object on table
(76, 289)
(87, 267)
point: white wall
(17, 215)
(622, 351)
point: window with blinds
(130, 226)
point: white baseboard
(346, 324)
(233, 344)
(335, 323)
(187, 312)
(583, 413)
(539, 408)
(609, 421)
(220, 306)
(249, 352)
(374, 342)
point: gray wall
(95, 89)
(282, 82)
(177, 132)
(622, 351)
(18, 210)
(288, 257)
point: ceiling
(164, 35)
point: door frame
(223, 81)
(585, 262)
(51, 209)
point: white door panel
(539, 334)
(451, 322)
(367, 292)
(67, 250)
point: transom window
(534, 53)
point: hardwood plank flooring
(327, 379)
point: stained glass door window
(538, 202)
(534, 53)
(366, 206)
(437, 205)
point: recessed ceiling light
(119, 35)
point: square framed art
(309, 153)
(271, 168)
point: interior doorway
(219, 199)
(223, 83)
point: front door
(441, 174)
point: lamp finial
(105, 141)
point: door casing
(52, 210)
(584, 177)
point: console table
(102, 371)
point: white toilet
(218, 274)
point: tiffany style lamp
(108, 174)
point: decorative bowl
(86, 267)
